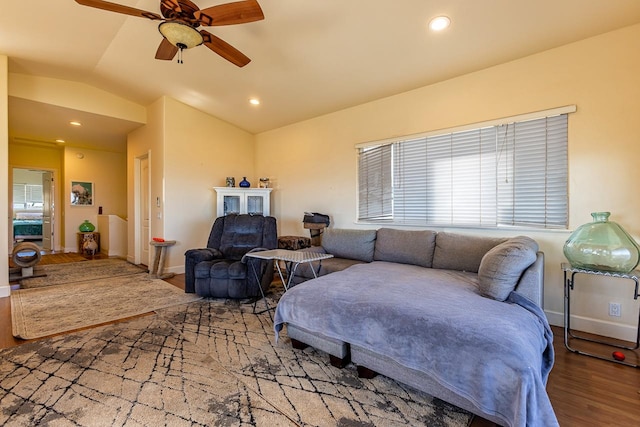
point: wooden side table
(88, 242)
(157, 270)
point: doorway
(32, 207)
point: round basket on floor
(26, 254)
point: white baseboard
(5, 291)
(178, 269)
(595, 326)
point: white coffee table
(292, 260)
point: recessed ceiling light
(60, 141)
(439, 23)
(254, 101)
(75, 123)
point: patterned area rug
(58, 274)
(206, 363)
(303, 384)
(50, 310)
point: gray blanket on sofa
(495, 354)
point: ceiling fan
(180, 20)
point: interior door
(47, 210)
(145, 221)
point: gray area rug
(58, 274)
(206, 363)
(50, 310)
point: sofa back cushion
(461, 252)
(348, 243)
(504, 264)
(405, 246)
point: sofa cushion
(502, 266)
(405, 246)
(461, 252)
(352, 244)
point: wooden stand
(157, 270)
(316, 230)
(88, 242)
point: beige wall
(313, 163)
(147, 142)
(75, 95)
(191, 152)
(108, 173)
(33, 155)
(5, 290)
(200, 151)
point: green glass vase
(602, 245)
(87, 227)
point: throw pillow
(501, 267)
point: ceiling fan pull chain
(180, 56)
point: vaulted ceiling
(309, 57)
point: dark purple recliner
(219, 270)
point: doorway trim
(56, 216)
(138, 210)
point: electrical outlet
(615, 310)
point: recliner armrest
(204, 254)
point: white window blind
(511, 174)
(27, 195)
(375, 198)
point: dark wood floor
(584, 391)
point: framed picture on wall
(81, 193)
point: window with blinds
(27, 195)
(510, 174)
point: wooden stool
(158, 261)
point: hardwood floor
(584, 391)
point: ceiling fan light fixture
(180, 34)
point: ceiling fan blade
(224, 49)
(171, 4)
(238, 12)
(166, 50)
(114, 7)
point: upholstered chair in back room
(219, 270)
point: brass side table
(569, 283)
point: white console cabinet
(243, 200)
